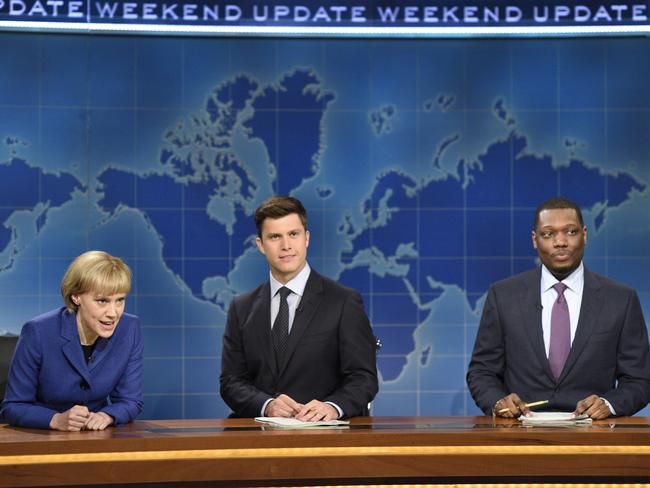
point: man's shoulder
(250, 295)
(516, 281)
(329, 286)
(601, 281)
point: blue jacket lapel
(71, 345)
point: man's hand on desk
(315, 411)
(283, 406)
(594, 406)
(510, 406)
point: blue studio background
(420, 162)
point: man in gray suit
(560, 332)
(299, 345)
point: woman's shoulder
(128, 326)
(132, 320)
(48, 319)
(44, 326)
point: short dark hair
(276, 207)
(558, 203)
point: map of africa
(421, 164)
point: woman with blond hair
(79, 367)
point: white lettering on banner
(17, 7)
(169, 11)
(449, 14)
(233, 13)
(189, 12)
(358, 14)
(602, 14)
(430, 14)
(388, 14)
(513, 14)
(280, 12)
(37, 9)
(321, 15)
(301, 13)
(106, 10)
(582, 13)
(149, 11)
(75, 9)
(561, 11)
(638, 13)
(127, 10)
(539, 12)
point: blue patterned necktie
(281, 326)
(560, 332)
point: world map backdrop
(420, 162)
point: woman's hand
(72, 420)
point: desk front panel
(371, 450)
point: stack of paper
(290, 423)
(555, 419)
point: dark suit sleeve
(237, 387)
(21, 407)
(488, 363)
(126, 397)
(357, 353)
(632, 391)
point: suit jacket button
(84, 385)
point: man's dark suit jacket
(330, 355)
(609, 355)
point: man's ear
(533, 236)
(260, 245)
(306, 238)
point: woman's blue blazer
(49, 373)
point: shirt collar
(296, 285)
(574, 282)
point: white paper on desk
(290, 423)
(561, 419)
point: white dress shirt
(575, 283)
(297, 287)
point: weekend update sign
(344, 18)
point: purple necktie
(560, 332)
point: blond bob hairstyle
(94, 271)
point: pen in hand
(527, 405)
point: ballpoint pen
(527, 405)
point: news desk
(372, 450)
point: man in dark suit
(317, 360)
(560, 332)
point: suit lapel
(592, 301)
(529, 300)
(70, 345)
(307, 307)
(261, 323)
